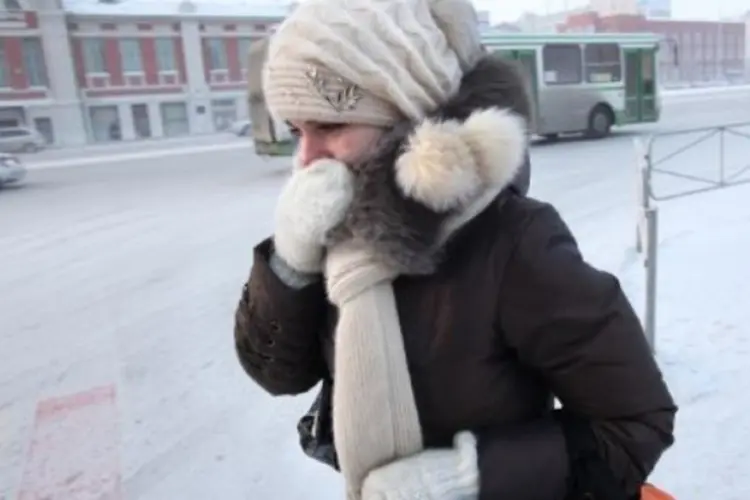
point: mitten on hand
(312, 202)
(451, 474)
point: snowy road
(118, 377)
(127, 147)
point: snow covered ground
(703, 341)
(703, 313)
(117, 373)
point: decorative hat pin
(344, 99)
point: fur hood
(424, 180)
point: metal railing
(647, 226)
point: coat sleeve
(573, 325)
(277, 329)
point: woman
(448, 309)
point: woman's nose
(309, 150)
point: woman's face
(348, 144)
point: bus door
(527, 60)
(640, 85)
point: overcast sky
(505, 10)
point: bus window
(647, 67)
(602, 62)
(562, 64)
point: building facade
(37, 84)
(693, 52)
(83, 71)
(651, 9)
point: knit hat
(369, 61)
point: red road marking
(74, 451)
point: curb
(122, 157)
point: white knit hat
(369, 61)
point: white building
(94, 71)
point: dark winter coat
(512, 317)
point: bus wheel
(600, 122)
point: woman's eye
(294, 131)
(330, 127)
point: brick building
(102, 70)
(693, 51)
(37, 86)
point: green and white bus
(585, 82)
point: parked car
(12, 170)
(20, 139)
(240, 128)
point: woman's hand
(450, 474)
(312, 202)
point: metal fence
(650, 163)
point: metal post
(638, 242)
(642, 174)
(645, 204)
(652, 251)
(722, 182)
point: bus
(585, 82)
(270, 137)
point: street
(119, 282)
(95, 154)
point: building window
(217, 53)
(105, 123)
(130, 52)
(11, 10)
(141, 120)
(44, 126)
(165, 54)
(33, 61)
(244, 51)
(224, 113)
(93, 55)
(174, 118)
(603, 63)
(3, 67)
(562, 64)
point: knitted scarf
(374, 413)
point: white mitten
(312, 202)
(451, 474)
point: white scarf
(375, 415)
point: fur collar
(425, 180)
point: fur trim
(449, 163)
(426, 177)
